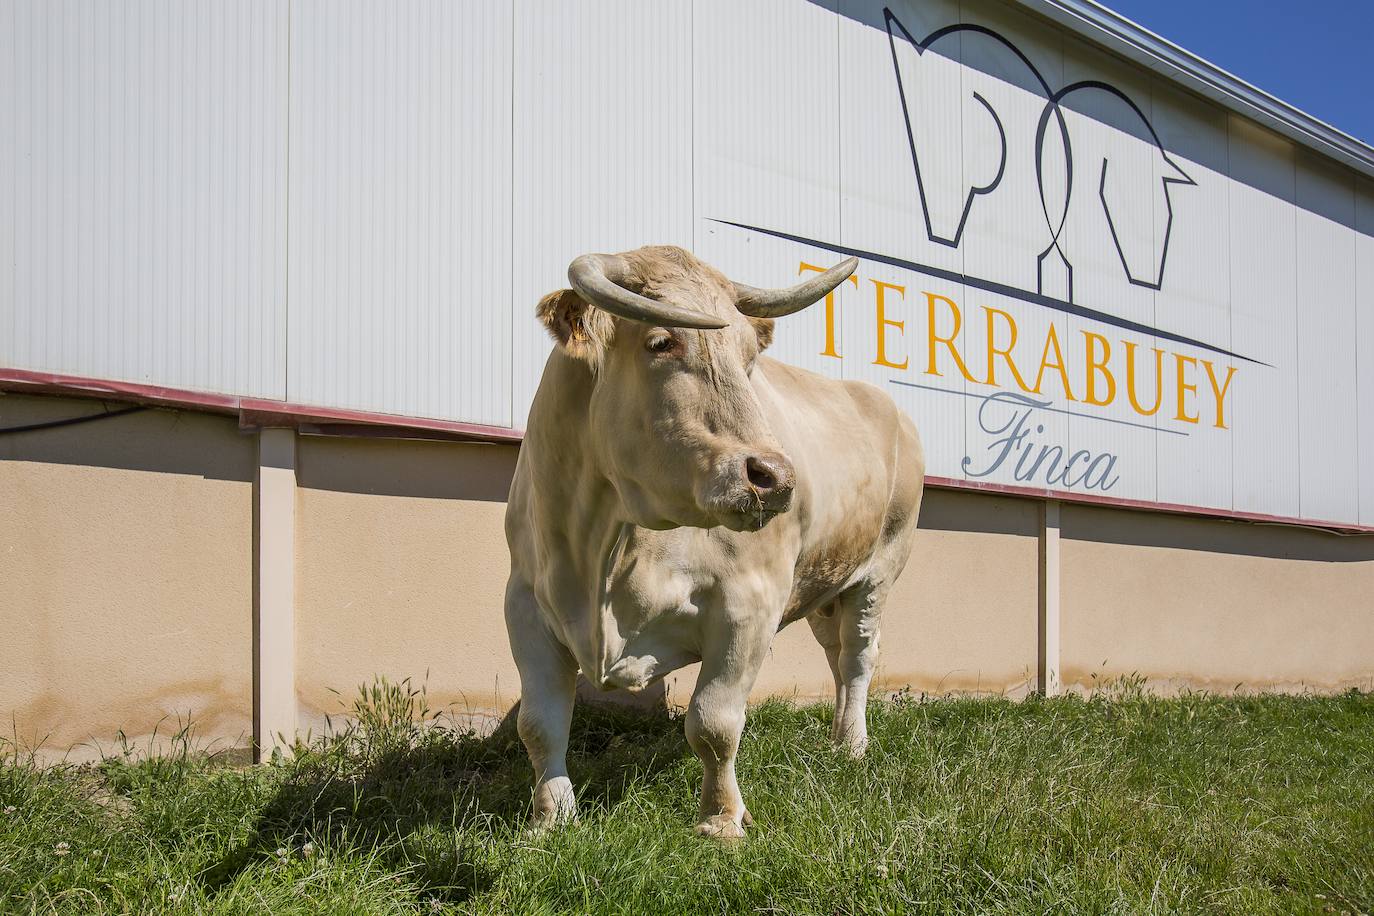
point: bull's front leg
(548, 685)
(715, 721)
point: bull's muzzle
(771, 479)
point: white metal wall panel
(765, 98)
(603, 147)
(145, 157)
(1326, 374)
(902, 108)
(1194, 300)
(1010, 217)
(1264, 319)
(1364, 357)
(1365, 342)
(9, 216)
(400, 207)
(1110, 239)
(1007, 227)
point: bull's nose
(771, 477)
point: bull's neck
(583, 519)
(568, 453)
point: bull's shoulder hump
(795, 379)
(856, 399)
(871, 397)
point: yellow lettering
(935, 338)
(1130, 380)
(1184, 388)
(1220, 392)
(883, 324)
(1095, 366)
(829, 311)
(1052, 341)
(994, 351)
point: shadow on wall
(979, 513)
(408, 467)
(1154, 529)
(163, 441)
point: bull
(680, 497)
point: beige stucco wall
(1213, 604)
(401, 570)
(126, 590)
(125, 576)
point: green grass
(1118, 803)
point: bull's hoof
(721, 828)
(852, 746)
(542, 822)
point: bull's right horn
(595, 277)
(775, 303)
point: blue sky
(1315, 54)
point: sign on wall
(1074, 277)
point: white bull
(679, 497)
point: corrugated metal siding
(1264, 290)
(146, 166)
(357, 204)
(1196, 470)
(882, 210)
(1114, 160)
(1325, 373)
(603, 148)
(400, 208)
(1364, 356)
(765, 98)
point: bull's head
(676, 420)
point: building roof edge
(1105, 27)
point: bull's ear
(763, 327)
(574, 323)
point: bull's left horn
(597, 277)
(774, 303)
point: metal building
(1127, 298)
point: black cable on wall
(70, 421)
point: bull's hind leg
(548, 683)
(825, 626)
(850, 639)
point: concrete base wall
(127, 591)
(126, 577)
(1213, 604)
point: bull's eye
(660, 343)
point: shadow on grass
(426, 798)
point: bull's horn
(595, 277)
(774, 303)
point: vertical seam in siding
(1230, 291)
(692, 112)
(510, 284)
(286, 227)
(1297, 329)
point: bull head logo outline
(1055, 211)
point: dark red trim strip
(253, 412)
(257, 412)
(1093, 499)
